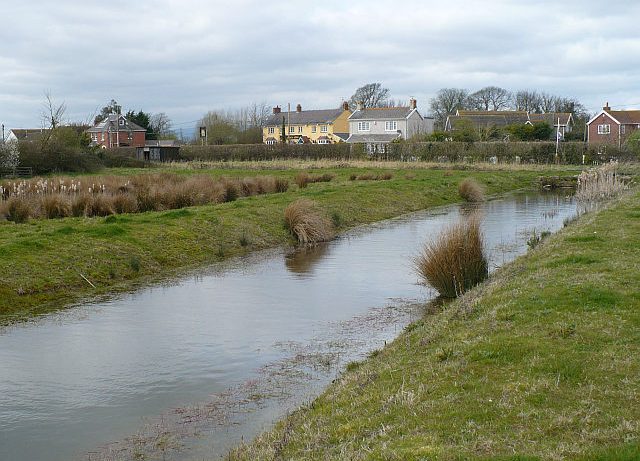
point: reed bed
(455, 261)
(303, 179)
(307, 222)
(598, 184)
(471, 190)
(47, 198)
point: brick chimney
(345, 105)
(298, 108)
(606, 107)
(276, 110)
(359, 105)
(413, 104)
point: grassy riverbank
(540, 363)
(48, 264)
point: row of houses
(373, 127)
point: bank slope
(542, 362)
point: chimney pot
(606, 107)
(413, 104)
(276, 110)
(359, 105)
(345, 105)
(298, 108)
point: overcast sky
(185, 58)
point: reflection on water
(302, 260)
(75, 381)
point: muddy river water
(186, 370)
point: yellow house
(310, 126)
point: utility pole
(3, 133)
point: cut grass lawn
(44, 262)
(542, 362)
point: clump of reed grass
(124, 203)
(19, 210)
(307, 222)
(470, 190)
(281, 184)
(598, 184)
(302, 179)
(455, 261)
(100, 205)
(372, 177)
(55, 206)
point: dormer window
(121, 122)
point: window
(604, 129)
(292, 129)
(622, 129)
(391, 126)
(363, 126)
(121, 122)
(323, 141)
(94, 137)
(271, 130)
(271, 142)
(102, 136)
(313, 128)
(324, 128)
(299, 129)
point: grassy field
(542, 362)
(48, 264)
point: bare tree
(548, 102)
(370, 95)
(527, 100)
(160, 124)
(491, 98)
(52, 115)
(446, 102)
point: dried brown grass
(55, 206)
(455, 261)
(307, 222)
(471, 190)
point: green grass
(42, 260)
(542, 362)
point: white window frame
(314, 128)
(292, 130)
(271, 142)
(605, 128)
(271, 130)
(324, 129)
(323, 141)
(622, 128)
(300, 129)
(364, 126)
(121, 122)
(391, 125)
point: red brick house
(117, 131)
(612, 126)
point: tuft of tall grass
(19, 210)
(307, 222)
(55, 206)
(302, 179)
(470, 190)
(125, 203)
(455, 261)
(100, 205)
(282, 185)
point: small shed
(159, 151)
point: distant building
(117, 131)
(377, 127)
(28, 134)
(327, 126)
(612, 126)
(159, 151)
(560, 122)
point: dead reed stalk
(455, 261)
(598, 184)
(307, 222)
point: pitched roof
(507, 113)
(490, 118)
(382, 113)
(111, 124)
(29, 134)
(305, 117)
(626, 117)
(551, 118)
(369, 138)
